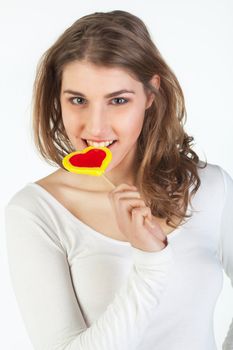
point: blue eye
(82, 99)
(78, 98)
(120, 98)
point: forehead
(85, 74)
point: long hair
(166, 165)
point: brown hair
(166, 164)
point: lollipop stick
(113, 186)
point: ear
(155, 81)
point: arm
(43, 288)
(226, 243)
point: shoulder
(29, 213)
(43, 200)
(212, 186)
(29, 201)
(211, 171)
(30, 205)
(30, 197)
(26, 198)
(33, 199)
(212, 175)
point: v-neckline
(97, 233)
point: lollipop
(91, 161)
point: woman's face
(90, 113)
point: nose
(97, 122)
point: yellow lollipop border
(86, 170)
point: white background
(196, 40)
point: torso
(81, 203)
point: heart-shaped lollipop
(91, 161)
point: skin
(88, 114)
(97, 117)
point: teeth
(99, 144)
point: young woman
(97, 268)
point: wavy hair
(166, 165)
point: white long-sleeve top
(78, 289)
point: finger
(156, 229)
(118, 197)
(126, 195)
(125, 206)
(127, 200)
(123, 187)
(129, 204)
(139, 215)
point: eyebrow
(106, 96)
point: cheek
(67, 124)
(133, 122)
(68, 115)
(70, 121)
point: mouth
(109, 146)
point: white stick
(113, 186)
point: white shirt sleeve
(226, 243)
(44, 292)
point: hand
(134, 219)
